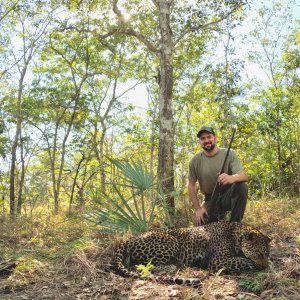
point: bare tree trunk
(166, 138)
(152, 135)
(77, 83)
(101, 159)
(52, 157)
(22, 177)
(63, 151)
(75, 181)
(52, 151)
(279, 155)
(12, 174)
(12, 178)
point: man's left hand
(225, 179)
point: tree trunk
(52, 158)
(12, 179)
(22, 177)
(166, 138)
(75, 182)
(12, 175)
(165, 168)
(63, 153)
(101, 159)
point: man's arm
(200, 211)
(192, 190)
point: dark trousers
(231, 198)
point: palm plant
(135, 212)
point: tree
(269, 37)
(103, 100)
(176, 23)
(32, 26)
(79, 89)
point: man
(204, 168)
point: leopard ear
(249, 236)
(268, 239)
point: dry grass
(62, 258)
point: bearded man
(204, 168)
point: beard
(209, 147)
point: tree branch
(188, 29)
(124, 28)
(14, 6)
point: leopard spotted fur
(231, 246)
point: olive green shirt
(205, 169)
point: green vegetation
(67, 114)
(253, 284)
(135, 214)
(145, 271)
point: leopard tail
(194, 282)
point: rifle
(214, 198)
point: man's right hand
(201, 214)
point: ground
(64, 258)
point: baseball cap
(205, 129)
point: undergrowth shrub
(137, 200)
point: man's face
(207, 141)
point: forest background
(84, 82)
(101, 101)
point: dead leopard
(230, 246)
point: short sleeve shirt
(205, 169)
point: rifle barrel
(224, 162)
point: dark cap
(205, 129)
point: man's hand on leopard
(201, 215)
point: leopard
(222, 246)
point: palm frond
(122, 213)
(138, 176)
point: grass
(70, 257)
(42, 241)
(254, 285)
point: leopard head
(256, 246)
